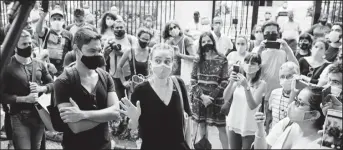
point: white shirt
(125, 46)
(223, 43)
(278, 104)
(290, 30)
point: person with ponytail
(155, 106)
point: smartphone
(262, 106)
(300, 84)
(273, 44)
(325, 93)
(332, 130)
(236, 68)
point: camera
(116, 47)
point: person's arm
(189, 47)
(6, 98)
(224, 76)
(256, 99)
(47, 79)
(39, 27)
(228, 92)
(310, 31)
(195, 88)
(323, 79)
(134, 124)
(289, 52)
(121, 63)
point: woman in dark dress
(158, 112)
(312, 66)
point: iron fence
(333, 8)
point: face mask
(334, 36)
(208, 47)
(259, 36)
(304, 46)
(143, 44)
(57, 25)
(298, 115)
(109, 23)
(249, 69)
(175, 32)
(241, 49)
(323, 22)
(162, 71)
(119, 33)
(271, 36)
(93, 62)
(79, 24)
(286, 84)
(26, 52)
(317, 53)
(336, 91)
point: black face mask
(271, 36)
(143, 44)
(119, 33)
(26, 52)
(323, 22)
(208, 47)
(93, 62)
(304, 46)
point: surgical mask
(162, 71)
(271, 36)
(259, 36)
(336, 91)
(315, 52)
(304, 46)
(57, 25)
(109, 23)
(25, 52)
(208, 47)
(286, 84)
(249, 69)
(93, 62)
(119, 33)
(143, 44)
(241, 49)
(323, 22)
(297, 114)
(334, 36)
(175, 32)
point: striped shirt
(278, 104)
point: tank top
(140, 67)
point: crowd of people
(172, 90)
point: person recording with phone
(299, 130)
(246, 89)
(323, 79)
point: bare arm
(121, 63)
(39, 27)
(254, 100)
(228, 92)
(80, 126)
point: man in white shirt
(223, 42)
(290, 31)
(282, 14)
(194, 28)
(121, 43)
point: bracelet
(256, 135)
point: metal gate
(333, 8)
(133, 12)
(238, 17)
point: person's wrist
(84, 115)
(20, 99)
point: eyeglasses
(298, 103)
(171, 28)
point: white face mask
(175, 32)
(241, 49)
(259, 36)
(298, 115)
(57, 25)
(336, 91)
(162, 71)
(249, 69)
(286, 84)
(333, 36)
(109, 23)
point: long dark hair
(201, 51)
(308, 37)
(315, 100)
(103, 25)
(166, 34)
(254, 57)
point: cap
(56, 12)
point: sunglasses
(171, 28)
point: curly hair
(103, 25)
(315, 99)
(166, 34)
(142, 30)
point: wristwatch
(247, 88)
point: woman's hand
(260, 118)
(206, 100)
(127, 84)
(305, 78)
(243, 80)
(130, 110)
(234, 77)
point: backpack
(71, 73)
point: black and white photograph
(170, 74)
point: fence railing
(333, 8)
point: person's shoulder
(70, 26)
(142, 86)
(63, 78)
(67, 33)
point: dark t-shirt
(160, 125)
(331, 53)
(306, 69)
(97, 137)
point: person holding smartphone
(246, 90)
(299, 130)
